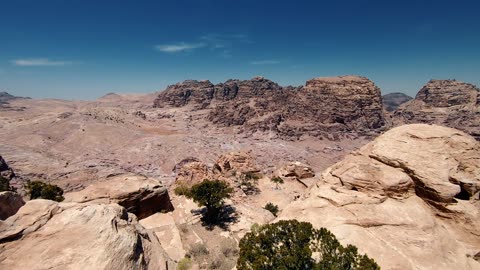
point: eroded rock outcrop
(10, 202)
(324, 107)
(409, 199)
(191, 171)
(49, 235)
(445, 102)
(140, 195)
(5, 171)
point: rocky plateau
(402, 184)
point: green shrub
(272, 208)
(277, 180)
(181, 190)
(197, 250)
(184, 264)
(41, 190)
(289, 244)
(211, 194)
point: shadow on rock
(223, 219)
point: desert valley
(396, 176)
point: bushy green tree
(41, 190)
(272, 208)
(289, 244)
(211, 194)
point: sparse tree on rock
(211, 194)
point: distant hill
(393, 100)
(6, 97)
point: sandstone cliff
(445, 102)
(324, 107)
(409, 199)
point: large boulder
(296, 170)
(140, 195)
(191, 171)
(409, 199)
(237, 162)
(445, 102)
(10, 202)
(49, 235)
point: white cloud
(265, 62)
(38, 62)
(179, 47)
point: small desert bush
(41, 190)
(272, 208)
(182, 190)
(229, 249)
(184, 264)
(197, 250)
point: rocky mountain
(6, 97)
(409, 199)
(393, 100)
(324, 107)
(445, 102)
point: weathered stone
(49, 235)
(10, 202)
(449, 103)
(402, 199)
(296, 170)
(323, 106)
(140, 195)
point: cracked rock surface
(409, 199)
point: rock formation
(409, 199)
(10, 202)
(49, 235)
(295, 170)
(445, 102)
(140, 195)
(324, 107)
(5, 171)
(393, 100)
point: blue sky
(83, 49)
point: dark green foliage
(181, 189)
(272, 208)
(4, 184)
(210, 193)
(289, 244)
(277, 180)
(249, 182)
(41, 190)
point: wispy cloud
(265, 62)
(221, 44)
(179, 47)
(39, 62)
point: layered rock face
(50, 235)
(446, 102)
(324, 107)
(140, 195)
(10, 202)
(393, 100)
(409, 199)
